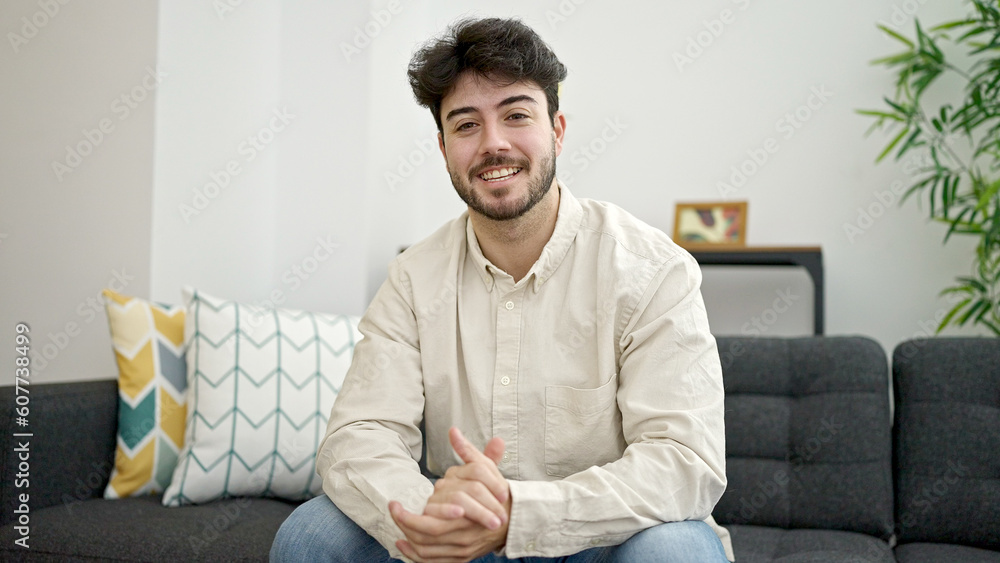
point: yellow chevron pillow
(148, 340)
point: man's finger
(463, 447)
(468, 452)
(477, 485)
(444, 511)
(485, 511)
(493, 453)
(420, 527)
(407, 550)
(494, 449)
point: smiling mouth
(500, 174)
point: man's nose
(493, 140)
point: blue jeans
(319, 531)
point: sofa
(817, 469)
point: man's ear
(558, 130)
(441, 146)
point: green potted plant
(959, 142)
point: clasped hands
(467, 515)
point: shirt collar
(568, 221)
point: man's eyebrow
(515, 99)
(504, 102)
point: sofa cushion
(141, 529)
(807, 434)
(261, 384)
(756, 544)
(937, 552)
(948, 441)
(148, 340)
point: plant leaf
(947, 318)
(896, 35)
(951, 25)
(892, 60)
(893, 144)
(877, 113)
(972, 311)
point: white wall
(65, 234)
(263, 88)
(213, 193)
(681, 125)
(350, 124)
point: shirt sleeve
(373, 439)
(670, 394)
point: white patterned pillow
(261, 383)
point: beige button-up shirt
(597, 369)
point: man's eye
(465, 126)
(517, 116)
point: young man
(555, 349)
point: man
(556, 351)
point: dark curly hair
(502, 50)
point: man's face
(499, 145)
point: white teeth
(499, 173)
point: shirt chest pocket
(583, 428)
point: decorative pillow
(148, 342)
(261, 383)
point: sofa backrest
(808, 438)
(71, 452)
(947, 440)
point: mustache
(494, 161)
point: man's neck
(515, 245)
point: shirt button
(505, 380)
(530, 546)
(509, 305)
(506, 457)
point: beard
(538, 186)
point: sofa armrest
(72, 447)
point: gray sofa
(947, 450)
(816, 470)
